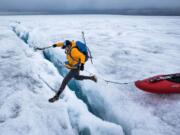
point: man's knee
(77, 77)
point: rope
(107, 81)
(47, 83)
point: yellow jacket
(73, 55)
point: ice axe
(83, 37)
(38, 48)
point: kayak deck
(161, 84)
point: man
(75, 62)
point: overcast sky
(58, 5)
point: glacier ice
(126, 48)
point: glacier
(125, 48)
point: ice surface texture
(125, 48)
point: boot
(94, 78)
(53, 99)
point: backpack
(83, 49)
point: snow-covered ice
(125, 49)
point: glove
(63, 47)
(82, 67)
(54, 45)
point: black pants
(73, 73)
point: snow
(24, 106)
(125, 49)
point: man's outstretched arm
(58, 44)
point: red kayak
(161, 84)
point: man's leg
(82, 77)
(65, 81)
